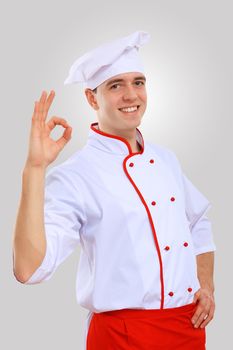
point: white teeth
(130, 109)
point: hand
(205, 308)
(43, 150)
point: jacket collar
(112, 143)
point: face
(120, 102)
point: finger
(48, 103)
(200, 309)
(201, 318)
(197, 314)
(205, 321)
(42, 99)
(56, 121)
(209, 318)
(43, 96)
(62, 141)
(39, 108)
(203, 310)
(36, 109)
(196, 296)
(35, 116)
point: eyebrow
(114, 81)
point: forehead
(124, 77)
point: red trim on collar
(119, 138)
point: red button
(131, 164)
(186, 244)
(172, 199)
(171, 294)
(189, 290)
(167, 247)
(152, 161)
(153, 203)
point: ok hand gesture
(43, 150)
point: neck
(128, 135)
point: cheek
(144, 97)
(105, 105)
(111, 105)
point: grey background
(189, 71)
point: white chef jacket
(138, 218)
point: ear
(91, 98)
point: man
(146, 264)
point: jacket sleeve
(196, 207)
(63, 220)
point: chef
(146, 264)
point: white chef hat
(116, 57)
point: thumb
(196, 297)
(62, 141)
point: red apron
(146, 329)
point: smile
(129, 109)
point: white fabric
(113, 58)
(89, 200)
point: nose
(129, 93)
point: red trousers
(146, 329)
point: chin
(133, 123)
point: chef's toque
(113, 58)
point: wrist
(209, 288)
(28, 168)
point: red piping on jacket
(111, 136)
(131, 153)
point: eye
(139, 82)
(114, 86)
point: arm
(29, 242)
(205, 295)
(29, 238)
(205, 271)
(201, 230)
